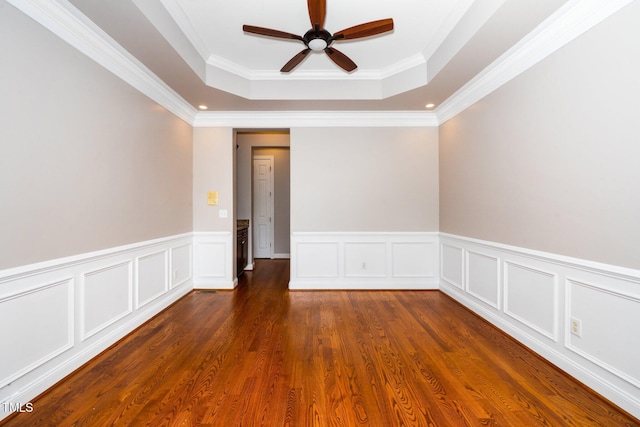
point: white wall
(539, 207)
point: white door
(263, 206)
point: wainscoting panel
(483, 277)
(181, 265)
(58, 314)
(530, 296)
(543, 294)
(452, 264)
(152, 280)
(37, 325)
(607, 328)
(414, 260)
(213, 256)
(364, 261)
(317, 260)
(105, 297)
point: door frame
(271, 159)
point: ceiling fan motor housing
(317, 39)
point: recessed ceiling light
(202, 107)
(430, 105)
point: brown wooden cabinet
(242, 257)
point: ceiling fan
(319, 39)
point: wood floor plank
(265, 356)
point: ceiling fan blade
(365, 30)
(317, 12)
(269, 32)
(293, 62)
(340, 59)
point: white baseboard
(533, 296)
(72, 309)
(281, 256)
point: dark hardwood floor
(264, 356)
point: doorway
(263, 206)
(271, 205)
(273, 143)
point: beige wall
(213, 170)
(86, 161)
(551, 161)
(364, 179)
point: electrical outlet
(576, 327)
(364, 266)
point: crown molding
(289, 119)
(312, 84)
(570, 21)
(65, 21)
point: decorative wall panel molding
(531, 296)
(364, 261)
(106, 296)
(213, 261)
(151, 277)
(601, 338)
(483, 277)
(37, 325)
(66, 311)
(452, 265)
(545, 294)
(181, 265)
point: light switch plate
(212, 198)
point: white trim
(577, 263)
(363, 260)
(287, 119)
(281, 256)
(65, 21)
(570, 21)
(27, 270)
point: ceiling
(198, 48)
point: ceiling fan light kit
(319, 39)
